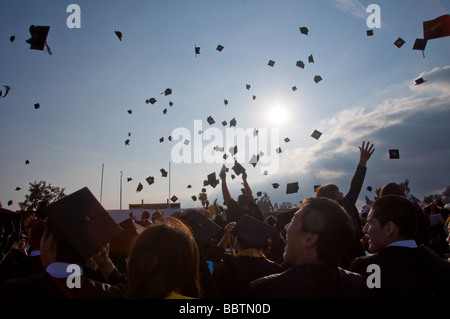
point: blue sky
(90, 81)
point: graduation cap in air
(225, 101)
(304, 30)
(12, 38)
(292, 188)
(437, 28)
(369, 188)
(17, 188)
(233, 150)
(38, 40)
(130, 111)
(122, 243)
(316, 134)
(163, 172)
(369, 33)
(317, 78)
(248, 86)
(219, 48)
(83, 221)
(275, 185)
(194, 198)
(399, 42)
(254, 160)
(167, 92)
(224, 123)
(238, 168)
(253, 231)
(203, 190)
(259, 193)
(254, 97)
(213, 180)
(271, 63)
(286, 140)
(129, 179)
(151, 100)
(164, 111)
(7, 89)
(161, 139)
(174, 198)
(294, 88)
(150, 180)
(210, 120)
(36, 106)
(197, 50)
(127, 142)
(420, 45)
(119, 35)
(419, 81)
(233, 122)
(311, 59)
(394, 154)
(300, 64)
(139, 188)
(27, 162)
(278, 150)
(203, 229)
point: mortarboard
(139, 188)
(399, 42)
(316, 134)
(254, 160)
(8, 88)
(174, 198)
(233, 150)
(12, 38)
(311, 59)
(225, 101)
(248, 86)
(186, 142)
(10, 202)
(294, 88)
(197, 50)
(369, 188)
(167, 92)
(38, 37)
(127, 142)
(224, 123)
(150, 180)
(238, 168)
(233, 122)
(252, 231)
(420, 44)
(213, 180)
(27, 162)
(164, 111)
(265, 172)
(271, 63)
(254, 97)
(83, 221)
(121, 244)
(259, 193)
(161, 139)
(419, 81)
(203, 229)
(304, 30)
(129, 179)
(217, 148)
(36, 106)
(18, 188)
(163, 172)
(233, 176)
(437, 28)
(151, 100)
(275, 185)
(118, 34)
(203, 190)
(286, 140)
(194, 198)
(394, 154)
(292, 188)
(170, 103)
(317, 78)
(189, 186)
(369, 33)
(130, 111)
(300, 64)
(278, 150)
(219, 48)
(210, 120)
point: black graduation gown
(308, 281)
(408, 272)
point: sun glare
(278, 115)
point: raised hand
(366, 150)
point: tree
(430, 198)
(446, 195)
(41, 195)
(203, 197)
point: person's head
(157, 216)
(320, 232)
(391, 189)
(391, 218)
(330, 191)
(145, 215)
(244, 202)
(164, 258)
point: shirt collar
(409, 243)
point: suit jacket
(308, 281)
(408, 272)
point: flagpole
(101, 184)
(168, 200)
(121, 190)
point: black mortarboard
(210, 120)
(203, 229)
(38, 37)
(419, 81)
(7, 89)
(150, 180)
(420, 45)
(10, 202)
(121, 244)
(304, 30)
(27, 162)
(238, 168)
(129, 179)
(300, 64)
(130, 111)
(174, 198)
(127, 142)
(369, 188)
(224, 123)
(83, 221)
(197, 50)
(194, 198)
(139, 188)
(294, 88)
(248, 86)
(213, 180)
(36, 106)
(437, 28)
(219, 48)
(311, 59)
(252, 231)
(189, 186)
(170, 138)
(161, 139)
(287, 140)
(292, 188)
(233, 122)
(186, 142)
(317, 78)
(170, 103)
(18, 188)
(12, 38)
(163, 172)
(271, 63)
(394, 154)
(225, 101)
(259, 193)
(151, 100)
(369, 33)
(278, 150)
(233, 176)
(167, 92)
(399, 42)
(164, 111)
(119, 35)
(254, 97)
(203, 190)
(316, 134)
(275, 185)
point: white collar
(59, 270)
(409, 243)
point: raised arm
(366, 150)
(247, 189)
(225, 191)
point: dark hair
(328, 219)
(244, 200)
(399, 210)
(391, 189)
(327, 191)
(145, 214)
(164, 258)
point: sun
(278, 115)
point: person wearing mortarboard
(349, 200)
(77, 228)
(245, 203)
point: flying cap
(219, 48)
(174, 198)
(167, 91)
(213, 180)
(150, 180)
(292, 188)
(317, 78)
(203, 229)
(316, 134)
(139, 187)
(271, 63)
(238, 168)
(437, 28)
(36, 106)
(420, 45)
(419, 81)
(38, 37)
(83, 221)
(210, 120)
(369, 33)
(163, 172)
(311, 59)
(304, 30)
(394, 154)
(399, 42)
(300, 64)
(275, 185)
(119, 35)
(252, 231)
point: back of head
(145, 215)
(327, 191)
(164, 258)
(399, 210)
(391, 189)
(244, 200)
(334, 227)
